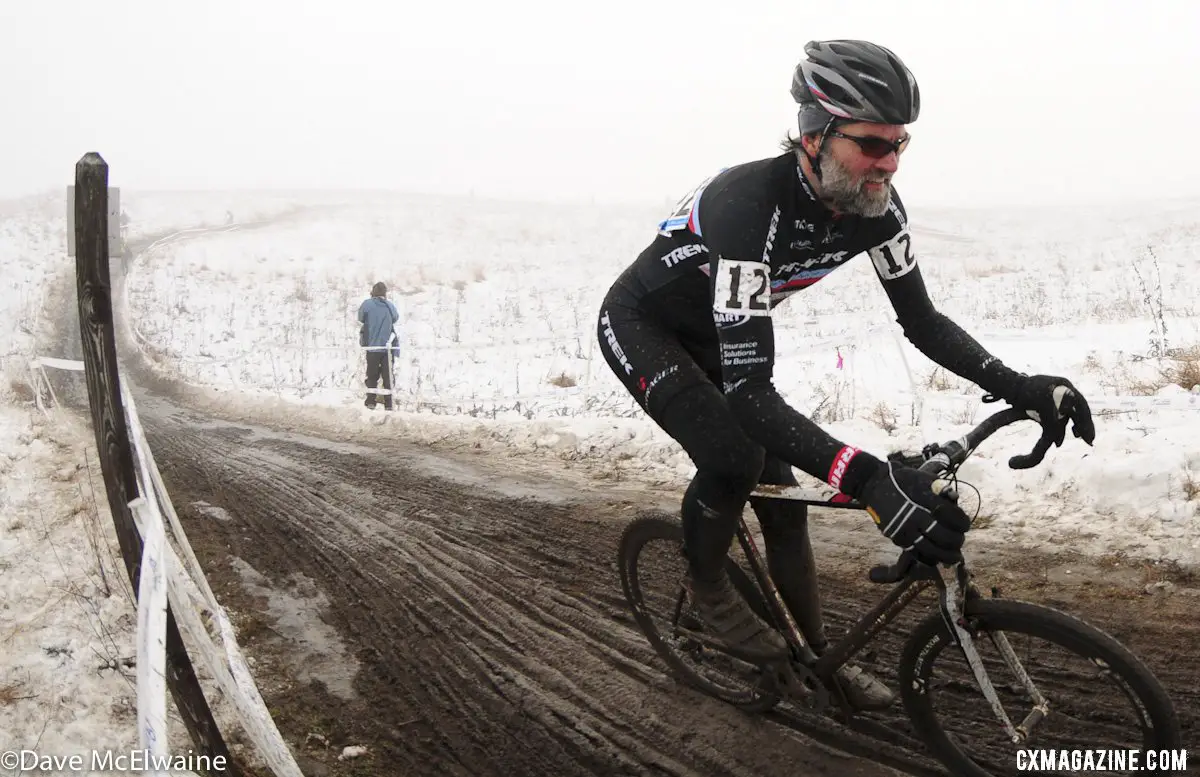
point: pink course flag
(839, 353)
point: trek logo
(614, 345)
(684, 252)
(840, 462)
(766, 257)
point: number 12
(755, 300)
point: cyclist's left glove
(1052, 401)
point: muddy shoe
(727, 617)
(863, 691)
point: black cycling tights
(728, 466)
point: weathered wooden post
(98, 338)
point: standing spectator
(378, 316)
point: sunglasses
(874, 147)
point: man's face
(857, 165)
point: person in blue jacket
(377, 316)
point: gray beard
(840, 191)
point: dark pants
(665, 376)
(378, 367)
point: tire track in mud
(489, 632)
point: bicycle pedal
(804, 687)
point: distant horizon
(1076, 205)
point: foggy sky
(1022, 102)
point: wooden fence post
(98, 339)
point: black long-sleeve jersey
(747, 239)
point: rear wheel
(653, 567)
(1100, 696)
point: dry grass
(940, 380)
(1185, 373)
(21, 390)
(1146, 388)
(302, 292)
(563, 380)
(993, 270)
(13, 692)
(965, 414)
(1180, 367)
(983, 521)
(1191, 485)
(885, 417)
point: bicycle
(963, 618)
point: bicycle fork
(954, 588)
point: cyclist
(687, 329)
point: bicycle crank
(802, 686)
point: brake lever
(893, 573)
(944, 487)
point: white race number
(743, 287)
(894, 257)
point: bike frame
(911, 579)
(864, 630)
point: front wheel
(1100, 696)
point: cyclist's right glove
(905, 507)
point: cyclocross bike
(970, 650)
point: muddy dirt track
(460, 614)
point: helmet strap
(815, 161)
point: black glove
(907, 509)
(1051, 402)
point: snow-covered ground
(498, 303)
(67, 616)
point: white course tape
(152, 634)
(198, 615)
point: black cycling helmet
(853, 80)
